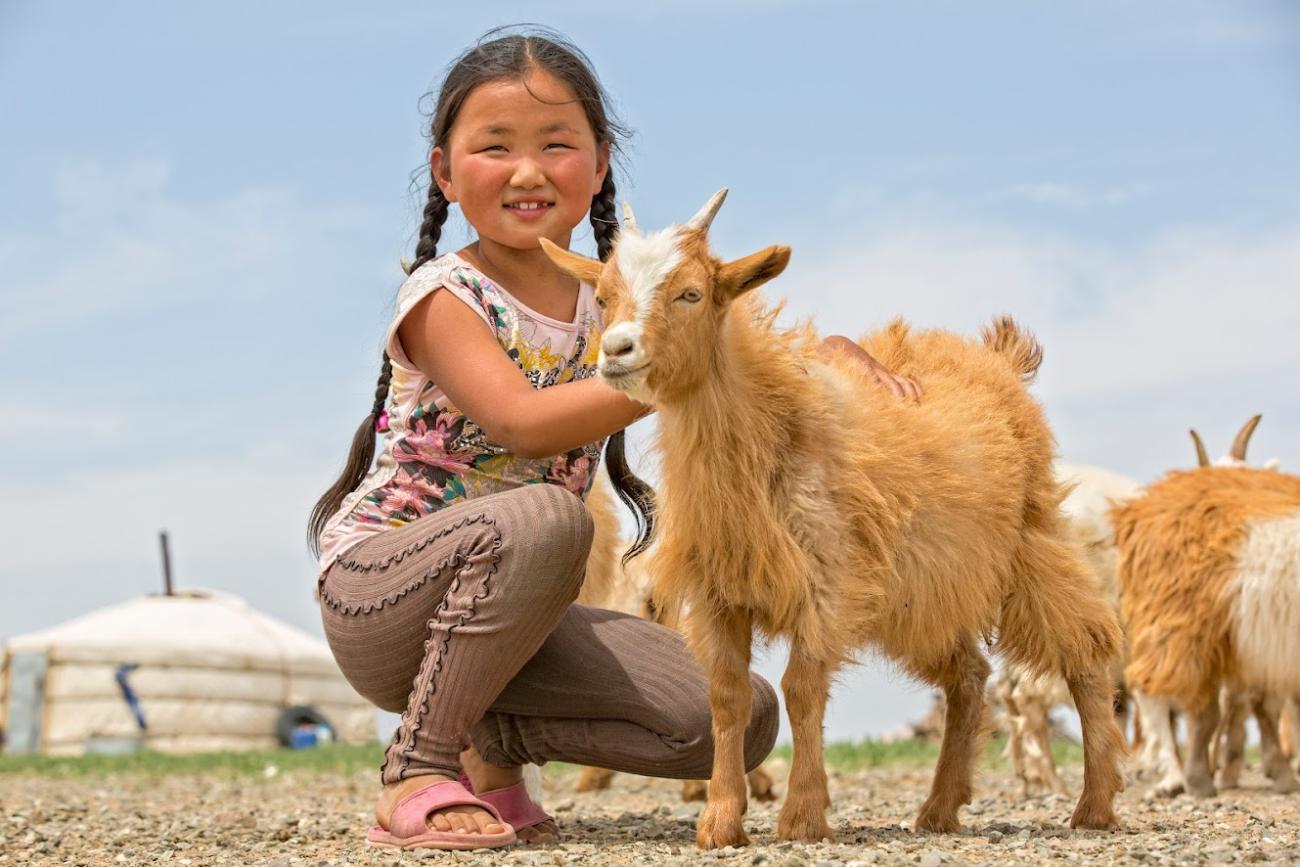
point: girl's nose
(527, 174)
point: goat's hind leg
(962, 676)
(806, 684)
(1093, 696)
(1055, 619)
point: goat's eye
(600, 302)
(691, 295)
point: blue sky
(202, 210)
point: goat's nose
(618, 345)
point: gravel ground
(315, 820)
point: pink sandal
(409, 824)
(512, 803)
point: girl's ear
(586, 270)
(440, 171)
(602, 166)
(738, 277)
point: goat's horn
(629, 219)
(1202, 457)
(702, 220)
(1243, 438)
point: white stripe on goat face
(645, 262)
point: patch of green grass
(336, 759)
(330, 759)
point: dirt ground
(314, 820)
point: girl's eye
(691, 295)
(556, 144)
(491, 148)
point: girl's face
(522, 161)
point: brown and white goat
(1227, 745)
(801, 500)
(1210, 596)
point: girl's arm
(901, 386)
(450, 345)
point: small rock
(566, 805)
(931, 859)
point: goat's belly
(1266, 610)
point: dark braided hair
(503, 56)
(638, 496)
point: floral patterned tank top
(432, 455)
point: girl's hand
(901, 386)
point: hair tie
(381, 423)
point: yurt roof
(193, 627)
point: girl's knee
(553, 528)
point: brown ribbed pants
(464, 621)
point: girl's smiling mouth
(529, 209)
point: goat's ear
(738, 277)
(586, 270)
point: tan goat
(1210, 595)
(801, 500)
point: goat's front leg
(724, 644)
(807, 685)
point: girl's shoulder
(429, 276)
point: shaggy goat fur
(802, 500)
(1210, 578)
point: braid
(604, 222)
(638, 496)
(435, 214)
(362, 453)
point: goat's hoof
(715, 832)
(937, 820)
(593, 780)
(1201, 788)
(1286, 785)
(808, 829)
(1167, 789)
(695, 790)
(1094, 818)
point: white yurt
(193, 671)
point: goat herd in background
(801, 501)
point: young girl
(447, 571)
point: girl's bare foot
(486, 778)
(461, 820)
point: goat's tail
(1018, 346)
